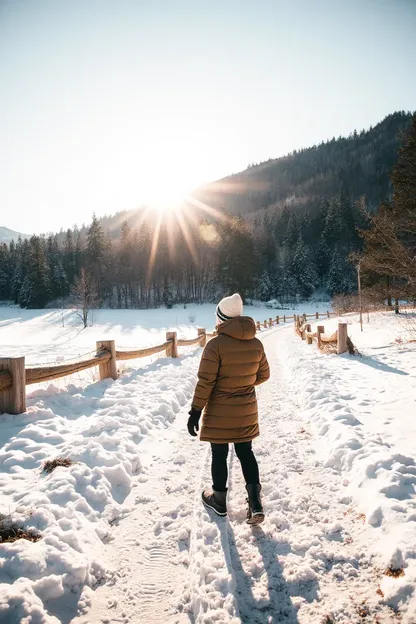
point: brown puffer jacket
(232, 364)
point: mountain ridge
(359, 165)
(7, 235)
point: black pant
(219, 468)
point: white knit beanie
(229, 308)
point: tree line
(284, 257)
(284, 254)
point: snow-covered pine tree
(342, 277)
(304, 269)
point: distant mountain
(358, 165)
(7, 235)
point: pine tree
(237, 262)
(96, 256)
(264, 290)
(341, 277)
(4, 272)
(35, 292)
(304, 269)
(390, 242)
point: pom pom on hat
(229, 308)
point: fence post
(309, 339)
(342, 336)
(319, 330)
(284, 318)
(108, 370)
(270, 322)
(317, 315)
(265, 324)
(203, 333)
(328, 314)
(13, 400)
(305, 318)
(277, 320)
(172, 348)
(258, 325)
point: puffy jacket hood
(240, 328)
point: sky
(107, 104)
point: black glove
(193, 421)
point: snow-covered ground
(48, 335)
(124, 535)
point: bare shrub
(11, 532)
(50, 465)
(84, 296)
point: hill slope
(357, 165)
(6, 235)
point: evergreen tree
(342, 277)
(237, 262)
(96, 257)
(34, 292)
(304, 269)
(390, 242)
(4, 272)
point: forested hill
(292, 226)
(358, 165)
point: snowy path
(174, 562)
(149, 551)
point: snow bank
(363, 409)
(100, 430)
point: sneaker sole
(219, 513)
(255, 519)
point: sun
(168, 205)
(168, 200)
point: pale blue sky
(107, 103)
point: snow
(40, 336)
(362, 411)
(125, 537)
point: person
(232, 364)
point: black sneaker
(255, 513)
(217, 501)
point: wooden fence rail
(15, 376)
(338, 341)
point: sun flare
(167, 205)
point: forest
(279, 230)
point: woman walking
(232, 364)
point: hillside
(6, 235)
(359, 165)
(295, 224)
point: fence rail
(15, 376)
(140, 353)
(338, 342)
(38, 374)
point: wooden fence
(15, 375)
(272, 322)
(338, 342)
